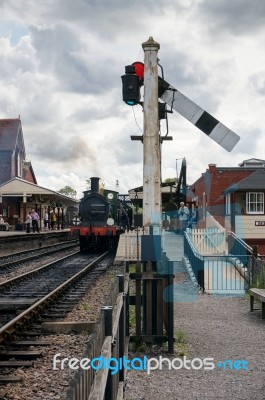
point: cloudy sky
(61, 66)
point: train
(97, 228)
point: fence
(208, 241)
(129, 248)
(152, 283)
(107, 340)
(211, 240)
(217, 274)
(250, 258)
(153, 301)
(223, 275)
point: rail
(249, 256)
(196, 260)
(219, 273)
(15, 324)
(237, 247)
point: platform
(13, 241)
(129, 248)
(23, 233)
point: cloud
(238, 17)
(257, 82)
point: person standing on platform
(184, 214)
(46, 221)
(35, 218)
(28, 222)
(53, 220)
(125, 220)
(4, 226)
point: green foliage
(136, 344)
(180, 336)
(137, 210)
(180, 345)
(171, 180)
(86, 307)
(259, 281)
(132, 317)
(68, 191)
(258, 275)
(132, 268)
(181, 349)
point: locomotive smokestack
(94, 184)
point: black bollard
(107, 310)
(121, 283)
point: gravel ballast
(216, 327)
(42, 382)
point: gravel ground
(32, 265)
(41, 382)
(220, 328)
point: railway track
(20, 265)
(50, 292)
(15, 260)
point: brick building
(234, 196)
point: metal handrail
(199, 264)
(196, 260)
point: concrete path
(173, 245)
(222, 329)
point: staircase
(185, 287)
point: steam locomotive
(96, 229)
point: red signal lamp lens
(139, 70)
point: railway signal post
(156, 313)
(153, 310)
(151, 142)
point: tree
(171, 180)
(68, 191)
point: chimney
(94, 185)
(212, 168)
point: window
(255, 203)
(18, 165)
(227, 204)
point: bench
(258, 294)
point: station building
(19, 191)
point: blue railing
(238, 248)
(217, 274)
(196, 260)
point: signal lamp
(131, 83)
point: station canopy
(31, 192)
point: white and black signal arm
(197, 116)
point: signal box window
(255, 203)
